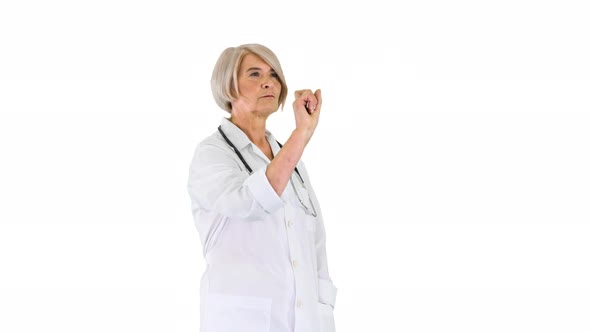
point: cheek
(247, 90)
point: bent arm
(217, 183)
(306, 106)
(281, 168)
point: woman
(257, 216)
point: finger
(305, 98)
(309, 98)
(318, 96)
(305, 94)
(300, 93)
(300, 100)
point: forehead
(251, 60)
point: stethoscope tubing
(242, 157)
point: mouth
(268, 96)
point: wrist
(303, 135)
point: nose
(267, 83)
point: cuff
(263, 192)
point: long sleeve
(218, 183)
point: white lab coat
(266, 259)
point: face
(259, 87)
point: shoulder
(213, 139)
(212, 147)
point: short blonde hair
(225, 73)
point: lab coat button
(299, 303)
(289, 223)
(294, 263)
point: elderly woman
(258, 218)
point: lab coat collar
(239, 138)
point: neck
(253, 127)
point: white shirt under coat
(266, 258)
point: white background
(451, 160)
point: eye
(275, 75)
(255, 74)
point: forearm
(281, 168)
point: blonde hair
(225, 73)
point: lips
(267, 96)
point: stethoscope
(307, 210)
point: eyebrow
(256, 68)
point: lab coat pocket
(326, 315)
(230, 313)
